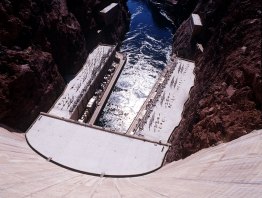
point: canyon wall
(41, 41)
(226, 101)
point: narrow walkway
(109, 88)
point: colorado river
(148, 46)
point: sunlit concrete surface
(78, 87)
(162, 111)
(94, 151)
(228, 170)
(196, 20)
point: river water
(148, 46)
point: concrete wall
(228, 170)
(195, 24)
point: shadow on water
(159, 20)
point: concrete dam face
(227, 170)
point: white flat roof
(80, 84)
(108, 8)
(196, 19)
(167, 112)
(92, 150)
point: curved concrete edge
(90, 173)
(93, 151)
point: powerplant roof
(77, 87)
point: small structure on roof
(109, 13)
(91, 103)
(195, 24)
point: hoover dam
(92, 108)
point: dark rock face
(30, 83)
(225, 102)
(87, 13)
(41, 41)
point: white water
(147, 45)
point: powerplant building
(66, 134)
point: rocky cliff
(226, 101)
(41, 41)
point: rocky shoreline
(40, 43)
